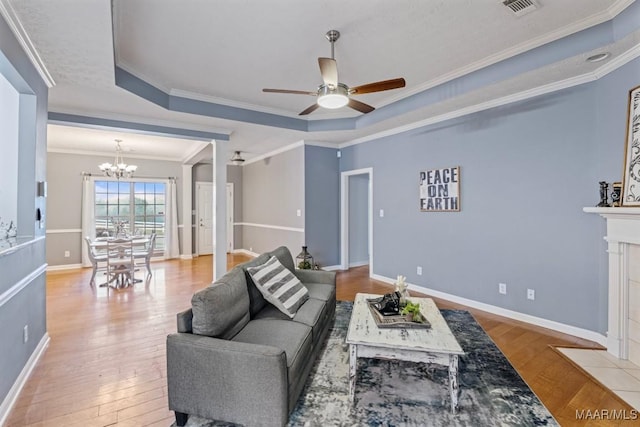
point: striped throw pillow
(279, 286)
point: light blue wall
(322, 204)
(527, 170)
(358, 219)
(22, 280)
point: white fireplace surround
(623, 238)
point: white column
(617, 334)
(187, 212)
(220, 157)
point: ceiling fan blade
(329, 71)
(360, 106)
(378, 86)
(295, 92)
(310, 109)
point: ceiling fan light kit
(237, 158)
(331, 93)
(333, 97)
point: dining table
(122, 277)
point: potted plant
(412, 311)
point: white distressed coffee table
(434, 345)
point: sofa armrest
(227, 380)
(316, 276)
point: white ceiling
(226, 51)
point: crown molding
(9, 14)
(558, 34)
(618, 7)
(228, 102)
(617, 62)
(541, 90)
(323, 144)
(139, 120)
(597, 74)
(110, 155)
(275, 152)
(149, 79)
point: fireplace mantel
(623, 224)
(623, 239)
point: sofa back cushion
(284, 256)
(256, 300)
(222, 309)
(279, 286)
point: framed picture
(440, 190)
(631, 175)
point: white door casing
(344, 217)
(230, 217)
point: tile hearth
(620, 376)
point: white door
(204, 220)
(229, 217)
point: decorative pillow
(279, 286)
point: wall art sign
(631, 176)
(440, 190)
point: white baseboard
(245, 252)
(187, 256)
(331, 268)
(62, 267)
(358, 263)
(516, 315)
(14, 392)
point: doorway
(205, 242)
(356, 218)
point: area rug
(397, 393)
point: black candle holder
(616, 193)
(604, 197)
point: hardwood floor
(106, 362)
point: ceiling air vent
(521, 7)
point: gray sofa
(236, 358)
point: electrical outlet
(531, 294)
(298, 212)
(502, 288)
(25, 334)
(381, 213)
(419, 271)
(67, 254)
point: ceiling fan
(333, 94)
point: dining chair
(143, 257)
(120, 263)
(95, 258)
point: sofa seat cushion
(291, 337)
(279, 286)
(321, 291)
(221, 309)
(311, 313)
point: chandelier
(119, 169)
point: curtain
(172, 249)
(88, 215)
